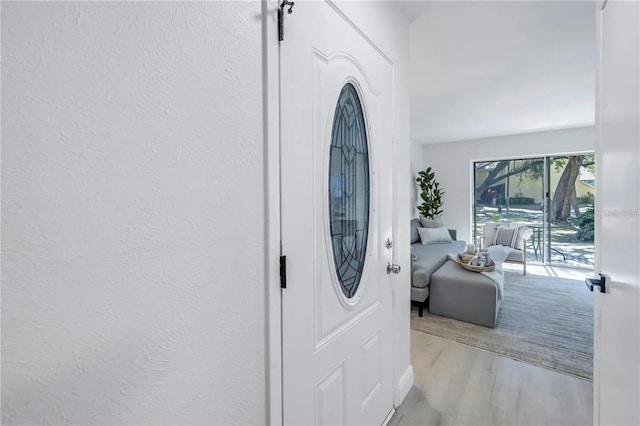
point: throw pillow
(511, 237)
(432, 223)
(505, 237)
(489, 233)
(415, 224)
(434, 235)
(523, 234)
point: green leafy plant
(514, 201)
(586, 224)
(430, 193)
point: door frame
(599, 6)
(271, 151)
(402, 381)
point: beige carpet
(543, 321)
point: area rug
(544, 321)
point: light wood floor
(456, 384)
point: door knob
(392, 267)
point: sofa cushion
(415, 237)
(421, 275)
(419, 294)
(515, 256)
(434, 235)
(430, 257)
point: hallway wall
(417, 160)
(133, 213)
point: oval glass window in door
(349, 190)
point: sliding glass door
(511, 191)
(570, 211)
(552, 195)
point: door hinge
(284, 4)
(283, 271)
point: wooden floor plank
(455, 384)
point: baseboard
(386, 421)
(404, 384)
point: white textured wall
(132, 213)
(417, 160)
(453, 164)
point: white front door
(336, 127)
(616, 381)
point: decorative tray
(465, 257)
(464, 262)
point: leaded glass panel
(349, 190)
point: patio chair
(510, 235)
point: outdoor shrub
(586, 199)
(514, 201)
(586, 224)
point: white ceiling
(481, 69)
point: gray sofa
(428, 258)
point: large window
(554, 196)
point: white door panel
(617, 319)
(337, 351)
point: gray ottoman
(463, 295)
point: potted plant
(430, 193)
